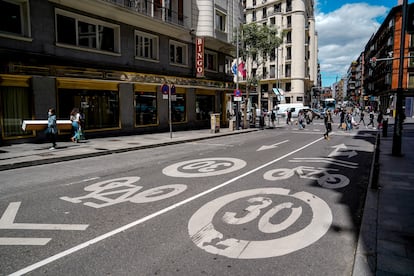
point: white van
(294, 107)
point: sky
(344, 28)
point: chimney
(400, 2)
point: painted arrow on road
(342, 150)
(7, 222)
(271, 146)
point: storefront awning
(280, 94)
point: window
(264, 73)
(220, 21)
(14, 17)
(145, 108)
(277, 7)
(146, 46)
(15, 107)
(410, 80)
(264, 13)
(272, 71)
(288, 53)
(178, 53)
(210, 61)
(100, 107)
(272, 21)
(178, 109)
(204, 106)
(289, 37)
(254, 15)
(84, 32)
(229, 62)
(411, 60)
(289, 21)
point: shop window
(178, 109)
(14, 17)
(15, 107)
(99, 107)
(84, 32)
(178, 53)
(146, 46)
(145, 108)
(204, 106)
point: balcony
(150, 9)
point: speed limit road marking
(263, 205)
(204, 167)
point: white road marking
(151, 216)
(204, 167)
(203, 233)
(24, 241)
(338, 162)
(7, 222)
(271, 146)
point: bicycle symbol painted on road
(204, 167)
(273, 212)
(119, 190)
(323, 176)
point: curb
(365, 260)
(108, 152)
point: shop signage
(200, 57)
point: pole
(397, 136)
(237, 79)
(169, 108)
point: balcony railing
(149, 8)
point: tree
(256, 40)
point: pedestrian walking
(273, 118)
(371, 119)
(342, 120)
(75, 118)
(51, 130)
(328, 124)
(361, 117)
(288, 116)
(380, 118)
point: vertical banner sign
(200, 57)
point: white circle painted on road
(206, 236)
(204, 167)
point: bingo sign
(200, 57)
(237, 95)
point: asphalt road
(273, 202)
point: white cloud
(343, 34)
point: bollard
(385, 128)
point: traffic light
(410, 19)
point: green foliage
(257, 40)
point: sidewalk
(386, 240)
(30, 154)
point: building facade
(117, 61)
(381, 65)
(293, 66)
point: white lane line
(144, 219)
